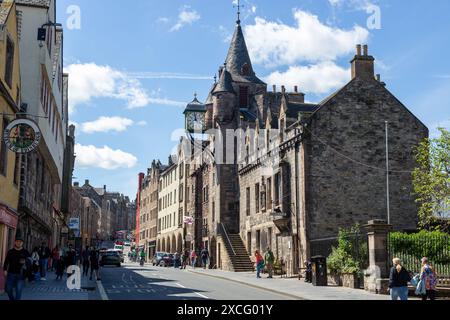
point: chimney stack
(274, 89)
(86, 182)
(76, 184)
(366, 50)
(378, 77)
(296, 89)
(283, 89)
(358, 50)
(363, 66)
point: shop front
(8, 226)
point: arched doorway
(174, 244)
(213, 253)
(180, 243)
(168, 247)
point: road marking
(102, 291)
(200, 295)
(180, 285)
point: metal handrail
(229, 241)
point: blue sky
(134, 65)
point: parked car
(157, 258)
(111, 258)
(168, 260)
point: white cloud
(142, 123)
(274, 43)
(187, 16)
(163, 20)
(89, 81)
(167, 75)
(107, 124)
(353, 4)
(318, 79)
(103, 158)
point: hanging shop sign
(74, 223)
(22, 136)
(188, 220)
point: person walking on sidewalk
(259, 264)
(185, 258)
(205, 256)
(428, 280)
(94, 261)
(193, 258)
(15, 269)
(398, 281)
(56, 255)
(269, 259)
(60, 267)
(44, 255)
(85, 257)
(35, 265)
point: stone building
(170, 222)
(10, 101)
(43, 95)
(149, 208)
(296, 172)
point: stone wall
(341, 192)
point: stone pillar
(377, 276)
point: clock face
(195, 121)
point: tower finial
(238, 6)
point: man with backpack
(269, 259)
(205, 256)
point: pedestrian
(35, 265)
(428, 281)
(15, 269)
(259, 263)
(308, 266)
(185, 259)
(269, 259)
(55, 257)
(70, 259)
(176, 260)
(44, 255)
(85, 257)
(398, 281)
(193, 258)
(205, 256)
(94, 262)
(60, 267)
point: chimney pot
(378, 77)
(366, 50)
(274, 89)
(283, 89)
(296, 89)
(86, 182)
(358, 50)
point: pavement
(297, 289)
(133, 282)
(57, 290)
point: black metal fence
(410, 249)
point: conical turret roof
(225, 83)
(238, 59)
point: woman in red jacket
(259, 263)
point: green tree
(431, 181)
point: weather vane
(238, 6)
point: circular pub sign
(22, 136)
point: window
(243, 97)
(248, 202)
(249, 242)
(17, 170)
(277, 190)
(257, 197)
(3, 152)
(188, 196)
(269, 193)
(213, 212)
(9, 63)
(258, 240)
(180, 193)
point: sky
(134, 65)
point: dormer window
(245, 70)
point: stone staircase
(239, 258)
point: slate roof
(238, 56)
(249, 116)
(294, 109)
(195, 105)
(5, 8)
(36, 3)
(225, 83)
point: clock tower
(195, 115)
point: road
(132, 282)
